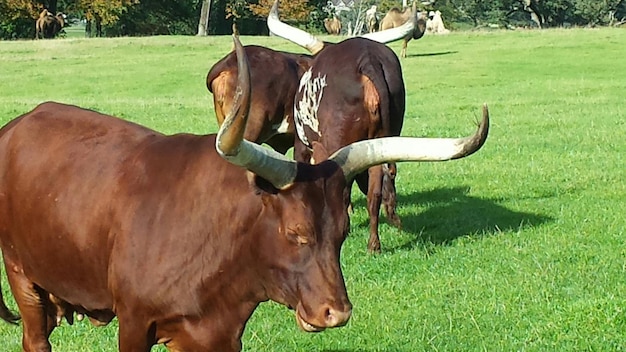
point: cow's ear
(261, 185)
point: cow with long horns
(182, 236)
(353, 90)
(274, 76)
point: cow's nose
(337, 317)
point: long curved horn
(359, 156)
(393, 34)
(293, 34)
(269, 164)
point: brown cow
(332, 25)
(352, 91)
(48, 26)
(182, 236)
(396, 18)
(274, 77)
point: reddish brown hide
(108, 218)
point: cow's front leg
(134, 335)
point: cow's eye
(298, 238)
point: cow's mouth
(305, 326)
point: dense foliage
(150, 17)
(543, 13)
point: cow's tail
(5, 313)
(376, 74)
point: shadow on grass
(450, 213)
(433, 54)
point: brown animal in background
(332, 25)
(48, 26)
(183, 236)
(396, 18)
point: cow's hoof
(373, 247)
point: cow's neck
(231, 304)
(224, 302)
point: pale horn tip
(473, 143)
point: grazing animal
(182, 236)
(48, 26)
(352, 91)
(371, 19)
(332, 25)
(396, 18)
(274, 78)
(434, 24)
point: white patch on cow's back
(305, 110)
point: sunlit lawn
(518, 247)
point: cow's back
(95, 209)
(358, 73)
(55, 171)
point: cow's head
(311, 220)
(306, 206)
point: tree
(293, 11)
(157, 17)
(205, 13)
(594, 13)
(102, 12)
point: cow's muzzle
(329, 317)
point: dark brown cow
(182, 236)
(352, 91)
(274, 77)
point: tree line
(216, 17)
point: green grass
(519, 247)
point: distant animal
(434, 24)
(332, 25)
(352, 91)
(396, 18)
(274, 77)
(371, 19)
(182, 236)
(48, 25)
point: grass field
(518, 247)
